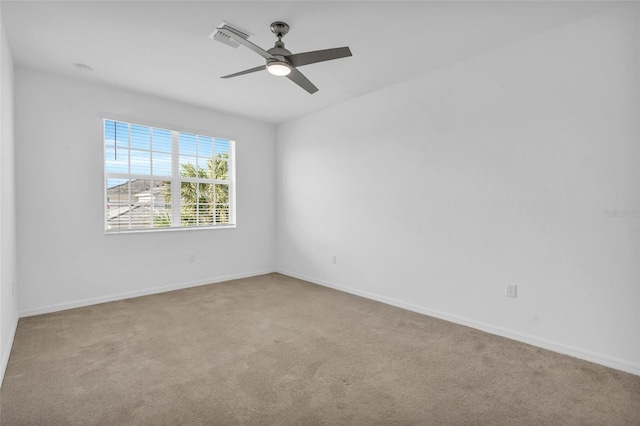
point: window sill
(191, 228)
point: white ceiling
(162, 47)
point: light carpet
(274, 350)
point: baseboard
(607, 361)
(8, 345)
(137, 293)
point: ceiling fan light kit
(279, 61)
(279, 68)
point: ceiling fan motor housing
(280, 53)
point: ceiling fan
(279, 61)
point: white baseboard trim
(137, 293)
(7, 350)
(607, 361)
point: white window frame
(176, 180)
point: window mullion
(175, 180)
(130, 197)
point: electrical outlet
(334, 259)
(511, 290)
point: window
(159, 179)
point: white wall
(64, 257)
(8, 270)
(436, 192)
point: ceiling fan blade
(249, 71)
(243, 41)
(307, 58)
(298, 78)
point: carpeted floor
(273, 350)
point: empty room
(319, 212)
